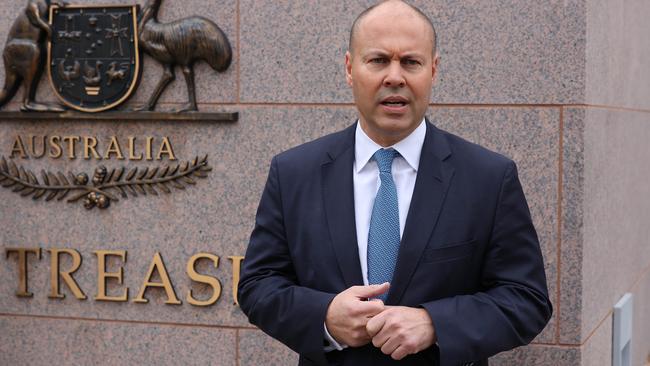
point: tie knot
(384, 159)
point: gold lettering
(23, 290)
(55, 274)
(158, 265)
(148, 148)
(89, 147)
(212, 281)
(72, 141)
(236, 270)
(102, 275)
(132, 155)
(55, 148)
(114, 148)
(34, 153)
(18, 148)
(166, 148)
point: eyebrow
(376, 52)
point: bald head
(397, 8)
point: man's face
(391, 71)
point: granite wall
(559, 86)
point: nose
(394, 78)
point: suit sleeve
(268, 290)
(512, 306)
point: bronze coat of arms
(93, 64)
(93, 58)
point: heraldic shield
(93, 58)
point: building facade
(562, 87)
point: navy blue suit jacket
(469, 253)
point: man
(394, 240)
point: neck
(149, 13)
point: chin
(396, 126)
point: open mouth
(394, 101)
(394, 104)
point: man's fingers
(369, 308)
(370, 291)
(399, 353)
(389, 346)
(375, 324)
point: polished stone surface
(509, 52)
(614, 190)
(641, 333)
(257, 348)
(514, 52)
(539, 355)
(44, 341)
(617, 53)
(597, 349)
(215, 216)
(609, 189)
(569, 308)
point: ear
(434, 67)
(348, 68)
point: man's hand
(400, 331)
(349, 312)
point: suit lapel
(433, 179)
(338, 200)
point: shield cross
(93, 57)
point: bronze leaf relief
(105, 185)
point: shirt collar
(409, 148)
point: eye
(377, 60)
(411, 62)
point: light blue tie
(383, 236)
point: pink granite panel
(257, 348)
(610, 222)
(597, 349)
(514, 52)
(44, 341)
(509, 52)
(616, 208)
(569, 309)
(539, 355)
(215, 216)
(640, 328)
(617, 52)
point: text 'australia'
(92, 147)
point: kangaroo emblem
(24, 56)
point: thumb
(371, 290)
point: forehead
(393, 27)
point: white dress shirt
(366, 184)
